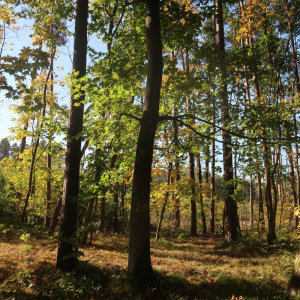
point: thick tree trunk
(230, 226)
(66, 256)
(139, 263)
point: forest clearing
(154, 152)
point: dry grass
(191, 268)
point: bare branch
(84, 148)
(131, 116)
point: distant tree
(14, 150)
(4, 148)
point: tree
(67, 253)
(139, 263)
(5, 148)
(230, 226)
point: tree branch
(131, 116)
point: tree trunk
(164, 205)
(191, 164)
(48, 196)
(115, 212)
(230, 226)
(139, 263)
(203, 219)
(177, 177)
(100, 226)
(55, 217)
(66, 256)
(86, 221)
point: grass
(203, 267)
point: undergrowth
(203, 267)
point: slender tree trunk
(292, 181)
(230, 226)
(115, 211)
(100, 226)
(177, 177)
(164, 205)
(86, 221)
(139, 263)
(66, 256)
(49, 156)
(48, 196)
(191, 165)
(55, 217)
(203, 219)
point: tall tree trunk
(48, 195)
(49, 156)
(230, 226)
(203, 219)
(177, 177)
(191, 164)
(66, 256)
(139, 263)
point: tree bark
(230, 226)
(66, 256)
(139, 263)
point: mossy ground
(202, 267)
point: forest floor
(202, 267)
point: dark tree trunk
(48, 195)
(177, 177)
(191, 162)
(115, 212)
(55, 217)
(203, 219)
(100, 226)
(139, 263)
(66, 256)
(230, 226)
(193, 195)
(87, 220)
(212, 184)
